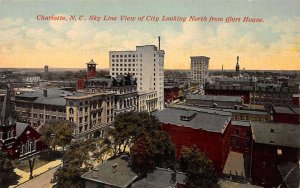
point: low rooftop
(160, 178)
(213, 122)
(113, 172)
(280, 134)
(241, 123)
(215, 98)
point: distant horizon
(62, 68)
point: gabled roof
(114, 172)
(20, 128)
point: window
(113, 55)
(28, 147)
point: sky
(273, 44)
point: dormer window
(188, 116)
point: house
(116, 173)
(17, 139)
(113, 173)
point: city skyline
(26, 42)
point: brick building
(207, 130)
(17, 139)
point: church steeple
(6, 117)
(237, 67)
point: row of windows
(28, 147)
(125, 65)
(126, 69)
(125, 60)
(9, 135)
(129, 55)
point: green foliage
(129, 125)
(69, 176)
(103, 147)
(76, 161)
(7, 174)
(198, 167)
(150, 150)
(57, 133)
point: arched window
(71, 111)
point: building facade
(17, 139)
(146, 63)
(147, 101)
(208, 131)
(40, 106)
(123, 86)
(92, 113)
(199, 69)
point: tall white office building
(199, 69)
(146, 63)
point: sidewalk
(25, 175)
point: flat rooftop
(280, 134)
(215, 98)
(202, 120)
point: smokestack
(158, 42)
(237, 59)
(45, 93)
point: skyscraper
(146, 63)
(199, 69)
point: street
(42, 181)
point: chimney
(158, 42)
(115, 168)
(45, 93)
(95, 173)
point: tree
(129, 125)
(152, 150)
(7, 174)
(103, 147)
(198, 167)
(76, 161)
(57, 133)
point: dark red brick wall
(287, 118)
(80, 84)
(265, 161)
(215, 145)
